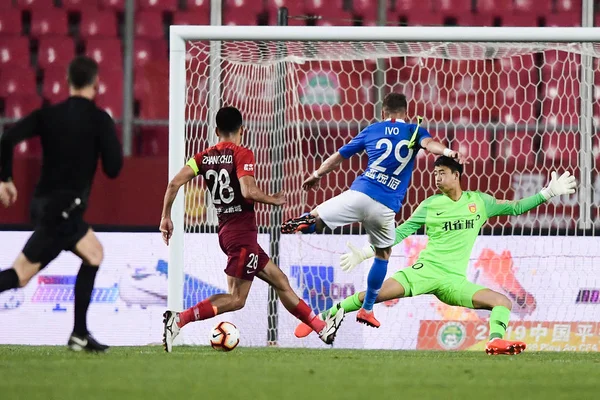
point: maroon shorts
(245, 258)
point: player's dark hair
(455, 166)
(82, 72)
(395, 102)
(229, 120)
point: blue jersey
(388, 173)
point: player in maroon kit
(228, 169)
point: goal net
(517, 110)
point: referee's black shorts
(53, 233)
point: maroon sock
(202, 310)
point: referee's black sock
(84, 285)
(8, 279)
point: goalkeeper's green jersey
(452, 226)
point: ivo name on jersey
(392, 130)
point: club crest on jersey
(473, 208)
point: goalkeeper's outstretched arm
(565, 184)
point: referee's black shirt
(74, 135)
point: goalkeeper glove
(565, 184)
(350, 260)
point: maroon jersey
(222, 166)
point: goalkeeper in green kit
(452, 220)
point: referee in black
(74, 135)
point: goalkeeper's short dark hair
(82, 72)
(455, 166)
(395, 102)
(229, 120)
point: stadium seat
(152, 90)
(55, 88)
(19, 105)
(560, 78)
(475, 144)
(55, 51)
(561, 146)
(197, 88)
(37, 5)
(157, 5)
(10, 22)
(525, 19)
(450, 7)
(149, 25)
(113, 105)
(568, 6)
(516, 147)
(198, 5)
(105, 51)
(241, 12)
(117, 5)
(517, 90)
(78, 5)
(98, 23)
(15, 51)
(154, 141)
(48, 22)
(494, 7)
(295, 8)
(564, 19)
(200, 17)
(536, 7)
(146, 51)
(17, 81)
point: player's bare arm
(332, 163)
(252, 192)
(439, 149)
(166, 225)
(8, 193)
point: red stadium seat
(200, 17)
(55, 87)
(105, 51)
(113, 105)
(48, 22)
(537, 7)
(294, 7)
(157, 5)
(152, 90)
(197, 5)
(78, 5)
(146, 51)
(117, 5)
(17, 81)
(564, 19)
(568, 6)
(451, 7)
(562, 146)
(14, 51)
(19, 105)
(560, 75)
(10, 22)
(149, 24)
(516, 148)
(526, 20)
(98, 23)
(240, 18)
(495, 7)
(475, 144)
(35, 4)
(517, 94)
(154, 141)
(55, 51)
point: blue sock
(311, 228)
(374, 282)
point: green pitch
(53, 373)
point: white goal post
(234, 50)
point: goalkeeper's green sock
(499, 321)
(349, 304)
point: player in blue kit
(375, 196)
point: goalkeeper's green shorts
(454, 290)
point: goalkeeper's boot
(304, 223)
(333, 323)
(499, 346)
(171, 319)
(86, 342)
(303, 330)
(368, 318)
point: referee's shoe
(86, 342)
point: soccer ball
(224, 337)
